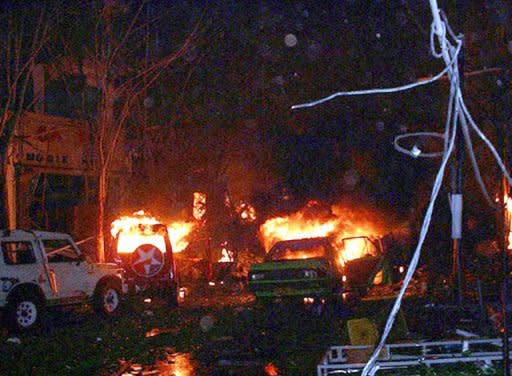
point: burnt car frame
(312, 270)
(150, 269)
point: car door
(69, 269)
(22, 263)
(361, 271)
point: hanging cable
(457, 112)
(474, 162)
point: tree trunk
(102, 199)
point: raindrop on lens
(206, 323)
(290, 40)
(314, 50)
(148, 102)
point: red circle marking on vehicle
(147, 260)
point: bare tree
(115, 48)
(21, 48)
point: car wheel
(24, 312)
(107, 299)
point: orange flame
(294, 226)
(246, 211)
(178, 232)
(133, 231)
(199, 205)
(315, 220)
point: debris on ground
(157, 331)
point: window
(17, 253)
(60, 250)
(297, 253)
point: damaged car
(144, 251)
(318, 270)
(40, 269)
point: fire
(178, 232)
(133, 231)
(317, 220)
(246, 211)
(298, 225)
(199, 205)
(226, 255)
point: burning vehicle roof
(301, 243)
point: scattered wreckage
(39, 269)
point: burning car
(144, 250)
(317, 269)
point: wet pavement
(252, 343)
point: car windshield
(296, 253)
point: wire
(370, 367)
(486, 141)
(474, 163)
(415, 152)
(456, 112)
(372, 91)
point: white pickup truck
(40, 269)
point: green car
(312, 270)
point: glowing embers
(199, 205)
(227, 255)
(246, 211)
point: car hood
(289, 264)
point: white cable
(370, 367)
(486, 141)
(436, 54)
(456, 112)
(373, 91)
(474, 162)
(415, 152)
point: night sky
(221, 114)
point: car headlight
(310, 274)
(257, 276)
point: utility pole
(504, 192)
(456, 201)
(502, 231)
